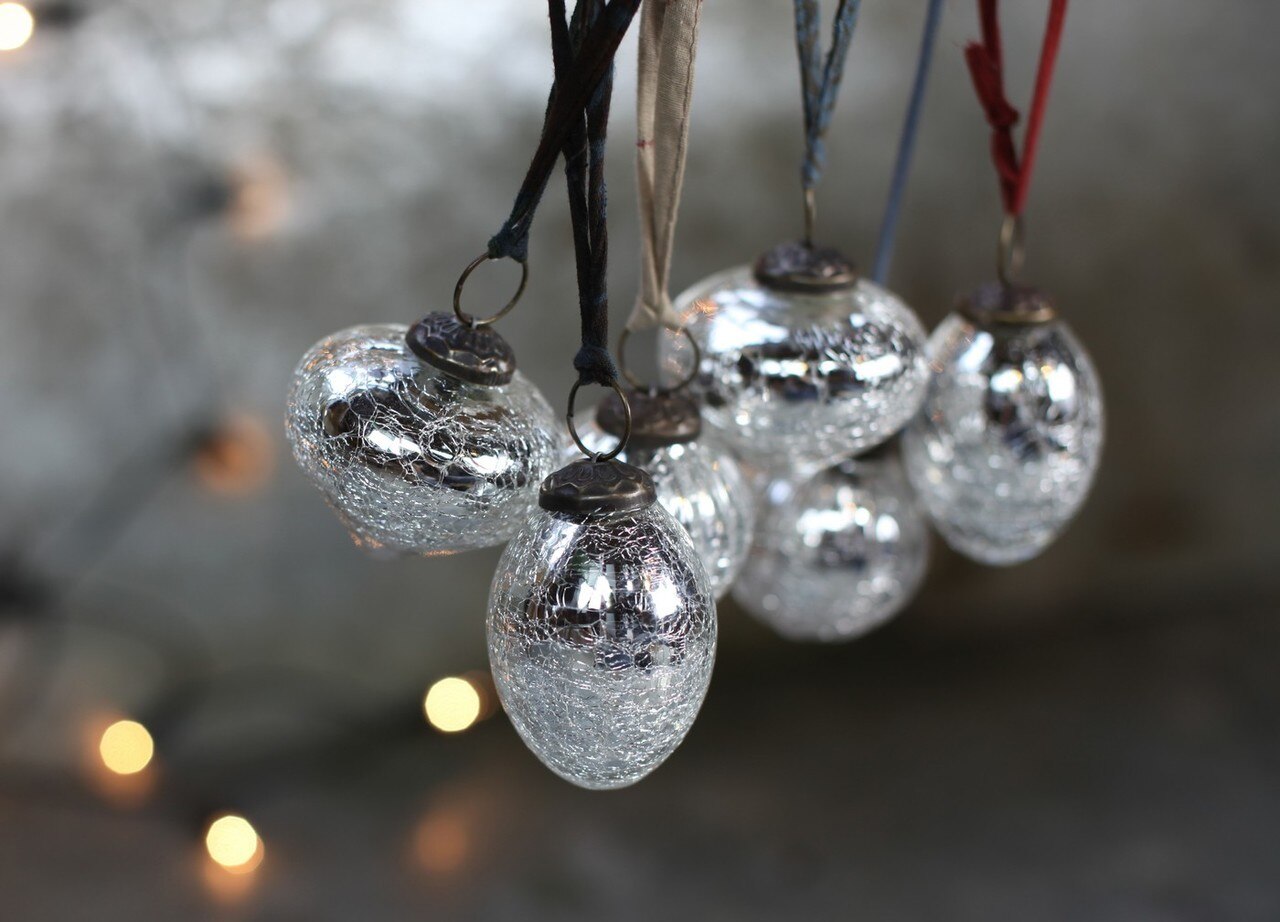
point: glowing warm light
(452, 705)
(236, 459)
(260, 204)
(16, 26)
(126, 747)
(442, 842)
(233, 843)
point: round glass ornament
(837, 554)
(698, 480)
(1007, 446)
(803, 361)
(423, 439)
(601, 627)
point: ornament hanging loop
(573, 431)
(474, 322)
(1010, 251)
(651, 389)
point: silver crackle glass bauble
(1007, 445)
(803, 361)
(698, 480)
(838, 554)
(423, 439)
(601, 627)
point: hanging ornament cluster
(767, 464)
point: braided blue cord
(819, 82)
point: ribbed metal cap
(475, 354)
(588, 486)
(657, 419)
(996, 302)
(805, 269)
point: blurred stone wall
(370, 150)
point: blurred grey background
(191, 193)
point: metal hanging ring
(573, 432)
(462, 281)
(1010, 253)
(640, 385)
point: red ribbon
(986, 66)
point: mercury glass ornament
(423, 439)
(697, 479)
(1010, 437)
(601, 627)
(803, 361)
(838, 554)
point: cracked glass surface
(411, 458)
(836, 555)
(703, 488)
(800, 380)
(602, 638)
(1010, 437)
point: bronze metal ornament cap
(587, 486)
(997, 303)
(805, 269)
(476, 354)
(658, 418)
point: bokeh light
(233, 843)
(126, 747)
(261, 200)
(442, 842)
(452, 705)
(236, 459)
(16, 26)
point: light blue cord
(906, 145)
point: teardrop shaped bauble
(601, 627)
(421, 456)
(1007, 446)
(838, 554)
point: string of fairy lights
(125, 753)
(126, 761)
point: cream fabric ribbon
(664, 92)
